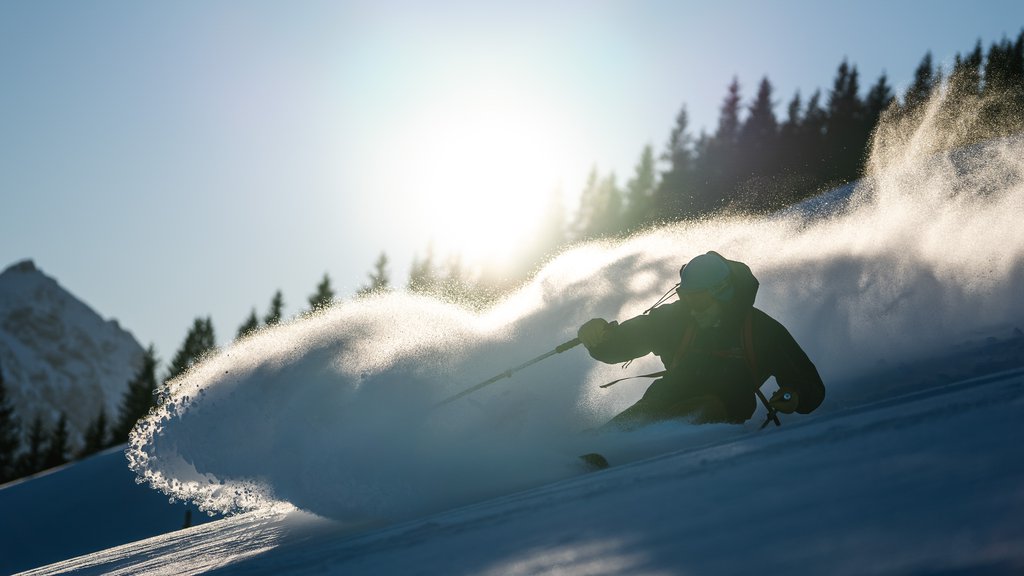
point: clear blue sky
(167, 160)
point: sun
(482, 171)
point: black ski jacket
(714, 361)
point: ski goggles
(700, 300)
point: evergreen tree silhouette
(138, 398)
(57, 448)
(199, 342)
(96, 435)
(423, 278)
(31, 461)
(380, 278)
(845, 136)
(675, 192)
(640, 191)
(276, 308)
(717, 165)
(759, 156)
(324, 295)
(251, 324)
(879, 98)
(600, 211)
(920, 89)
(10, 435)
(812, 146)
(1003, 88)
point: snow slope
(322, 435)
(58, 355)
(80, 508)
(925, 484)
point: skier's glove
(593, 332)
(785, 400)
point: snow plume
(335, 413)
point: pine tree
(380, 278)
(10, 434)
(845, 139)
(96, 435)
(57, 448)
(717, 166)
(921, 88)
(790, 161)
(759, 155)
(423, 278)
(324, 295)
(640, 191)
(728, 130)
(251, 325)
(199, 342)
(276, 309)
(31, 461)
(600, 211)
(879, 98)
(138, 398)
(674, 196)
(1003, 89)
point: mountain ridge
(58, 355)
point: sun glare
(482, 171)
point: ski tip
(595, 461)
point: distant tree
(728, 131)
(380, 278)
(674, 195)
(423, 276)
(717, 158)
(138, 398)
(879, 98)
(600, 210)
(812, 144)
(640, 190)
(10, 435)
(31, 461)
(96, 435)
(925, 80)
(276, 309)
(324, 295)
(199, 342)
(844, 128)
(57, 448)
(251, 324)
(1003, 89)
(758, 152)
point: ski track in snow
(837, 493)
(333, 414)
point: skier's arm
(793, 369)
(620, 342)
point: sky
(168, 160)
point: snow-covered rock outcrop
(58, 355)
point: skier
(718, 350)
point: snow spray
(333, 413)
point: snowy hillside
(83, 507)
(58, 355)
(924, 484)
(324, 439)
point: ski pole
(773, 414)
(508, 373)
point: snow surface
(80, 508)
(322, 435)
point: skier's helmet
(707, 273)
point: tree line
(754, 162)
